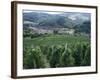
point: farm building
(66, 31)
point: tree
(78, 54)
(87, 56)
(55, 57)
(67, 60)
(55, 31)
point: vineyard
(56, 51)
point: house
(66, 31)
(40, 30)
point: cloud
(72, 17)
(48, 12)
(78, 16)
(27, 11)
(53, 12)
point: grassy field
(54, 40)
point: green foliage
(35, 59)
(87, 56)
(67, 58)
(68, 55)
(55, 57)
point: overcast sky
(71, 15)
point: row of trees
(68, 55)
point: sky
(71, 15)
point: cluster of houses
(41, 30)
(51, 31)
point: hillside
(72, 20)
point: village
(46, 30)
(34, 29)
(52, 31)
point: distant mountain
(44, 19)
